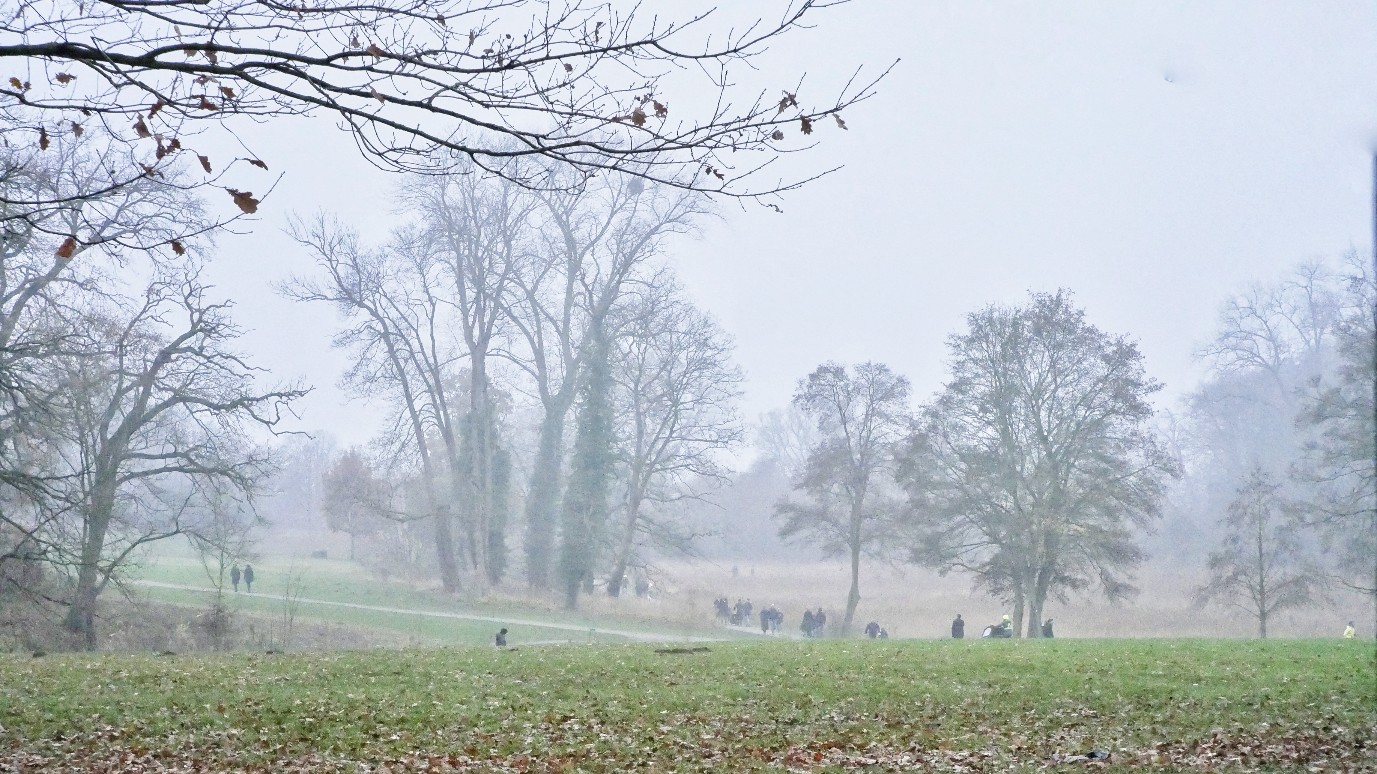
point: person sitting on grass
(501, 639)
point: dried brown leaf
(67, 249)
(244, 201)
(141, 129)
(205, 163)
(42, 138)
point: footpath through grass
(758, 706)
(343, 593)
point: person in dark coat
(958, 628)
(1047, 629)
(808, 623)
(234, 577)
(872, 629)
(248, 578)
(501, 639)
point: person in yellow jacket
(1349, 633)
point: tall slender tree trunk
(1019, 600)
(853, 597)
(542, 501)
(624, 546)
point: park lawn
(412, 627)
(761, 706)
(330, 580)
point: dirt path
(628, 634)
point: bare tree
(1037, 459)
(598, 243)
(401, 350)
(163, 399)
(1262, 566)
(677, 391)
(477, 230)
(861, 416)
(420, 82)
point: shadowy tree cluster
(493, 318)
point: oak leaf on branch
(244, 201)
(67, 249)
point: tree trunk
(542, 502)
(853, 597)
(1018, 609)
(624, 547)
(81, 616)
(1040, 590)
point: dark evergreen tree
(584, 515)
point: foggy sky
(1153, 157)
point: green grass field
(743, 706)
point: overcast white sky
(1153, 157)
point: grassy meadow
(763, 705)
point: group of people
(814, 623)
(875, 631)
(1002, 630)
(736, 615)
(246, 575)
(771, 618)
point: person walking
(234, 577)
(958, 628)
(248, 578)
